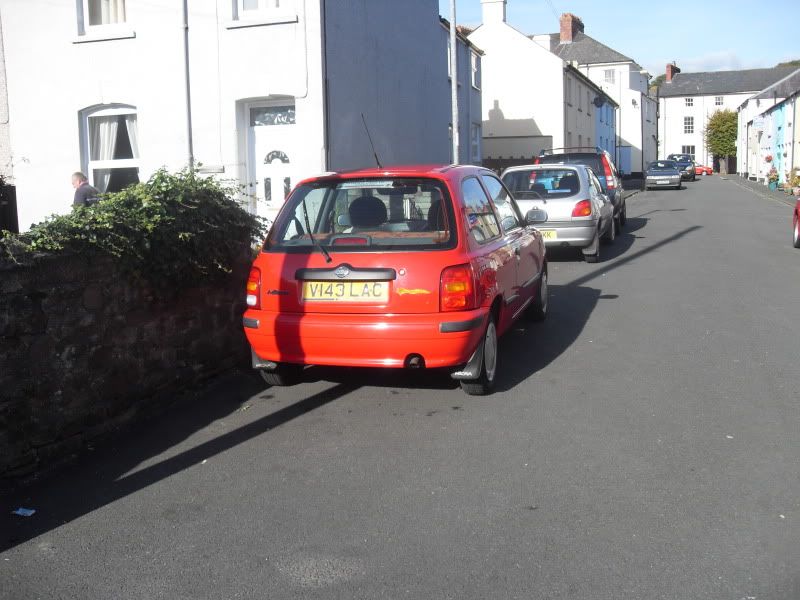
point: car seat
(569, 182)
(367, 212)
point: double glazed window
(688, 124)
(689, 101)
(96, 14)
(111, 147)
(261, 9)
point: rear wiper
(311, 235)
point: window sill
(262, 21)
(103, 35)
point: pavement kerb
(761, 190)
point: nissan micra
(401, 267)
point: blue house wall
(606, 128)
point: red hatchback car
(403, 267)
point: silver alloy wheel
(490, 351)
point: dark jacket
(85, 195)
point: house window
(687, 150)
(449, 59)
(569, 91)
(689, 101)
(580, 141)
(110, 146)
(718, 101)
(475, 64)
(257, 9)
(102, 12)
(272, 115)
(475, 143)
(609, 75)
(688, 124)
(588, 103)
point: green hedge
(177, 228)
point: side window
(481, 220)
(509, 219)
(598, 189)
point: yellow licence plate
(549, 234)
(346, 291)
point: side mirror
(535, 216)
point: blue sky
(706, 35)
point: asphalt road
(644, 444)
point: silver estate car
(663, 173)
(578, 213)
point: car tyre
(484, 384)
(623, 216)
(611, 233)
(591, 254)
(284, 375)
(538, 310)
(796, 233)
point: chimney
(672, 70)
(570, 26)
(494, 11)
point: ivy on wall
(177, 228)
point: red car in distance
(702, 170)
(399, 267)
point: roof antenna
(369, 137)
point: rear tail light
(610, 183)
(582, 209)
(254, 288)
(537, 161)
(457, 289)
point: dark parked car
(599, 161)
(663, 173)
(685, 165)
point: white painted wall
(385, 59)
(523, 95)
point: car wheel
(591, 254)
(611, 232)
(285, 374)
(694, 177)
(538, 310)
(485, 381)
(623, 216)
(796, 234)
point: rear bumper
(567, 233)
(653, 182)
(364, 340)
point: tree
(720, 134)
(789, 63)
(656, 82)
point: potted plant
(768, 158)
(772, 178)
(795, 183)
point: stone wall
(84, 349)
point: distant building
(621, 78)
(687, 100)
(532, 99)
(279, 91)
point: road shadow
(104, 475)
(529, 347)
(621, 244)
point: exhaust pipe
(414, 361)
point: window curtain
(105, 12)
(103, 142)
(133, 134)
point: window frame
(475, 67)
(491, 212)
(104, 110)
(88, 32)
(613, 76)
(519, 221)
(688, 101)
(685, 149)
(475, 145)
(688, 125)
(719, 101)
(285, 11)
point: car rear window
(532, 184)
(593, 161)
(365, 215)
(662, 165)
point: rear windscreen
(579, 158)
(365, 214)
(532, 184)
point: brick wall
(84, 350)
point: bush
(174, 229)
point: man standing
(85, 194)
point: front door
(272, 156)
